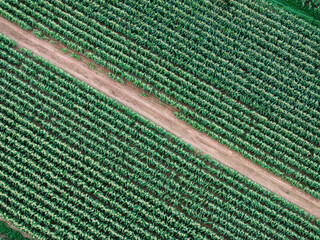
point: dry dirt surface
(130, 96)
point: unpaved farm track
(130, 96)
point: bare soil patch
(130, 96)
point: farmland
(159, 119)
(308, 8)
(7, 232)
(248, 78)
(80, 150)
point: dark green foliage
(308, 10)
(9, 233)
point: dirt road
(130, 96)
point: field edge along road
(130, 96)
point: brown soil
(130, 96)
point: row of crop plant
(74, 166)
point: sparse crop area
(137, 119)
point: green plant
(253, 86)
(9, 233)
(64, 50)
(68, 152)
(144, 94)
(75, 56)
(91, 65)
(37, 33)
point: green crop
(243, 72)
(64, 50)
(76, 164)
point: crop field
(243, 72)
(138, 119)
(310, 6)
(76, 164)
